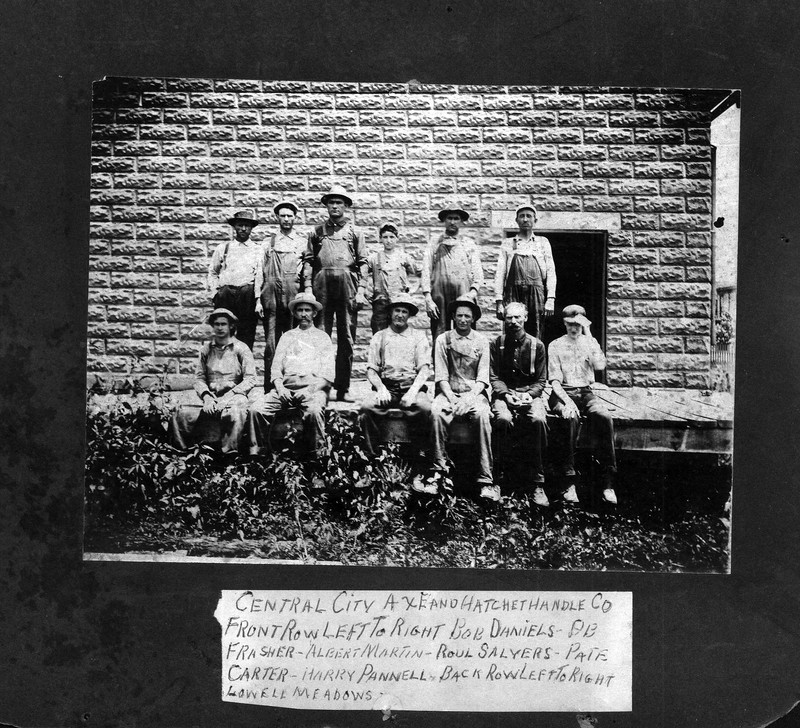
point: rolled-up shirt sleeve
(200, 380)
(374, 358)
(550, 269)
(483, 364)
(327, 355)
(440, 372)
(248, 365)
(214, 268)
(425, 276)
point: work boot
(490, 492)
(609, 496)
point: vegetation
(143, 495)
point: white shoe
(540, 497)
(609, 496)
(491, 492)
(570, 495)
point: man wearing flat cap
(301, 374)
(225, 374)
(387, 274)
(278, 279)
(572, 362)
(526, 272)
(461, 371)
(232, 274)
(334, 267)
(398, 365)
(451, 267)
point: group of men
(300, 284)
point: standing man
(572, 362)
(335, 266)
(461, 362)
(526, 273)
(451, 267)
(232, 275)
(398, 365)
(388, 271)
(518, 375)
(301, 373)
(278, 280)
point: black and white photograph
(412, 324)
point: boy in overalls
(388, 271)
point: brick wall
(172, 158)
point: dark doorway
(580, 259)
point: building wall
(173, 158)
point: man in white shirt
(301, 374)
(572, 362)
(278, 280)
(232, 275)
(526, 273)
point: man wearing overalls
(335, 266)
(278, 280)
(461, 371)
(232, 275)
(526, 273)
(451, 267)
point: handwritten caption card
(436, 651)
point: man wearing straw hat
(278, 280)
(301, 373)
(572, 362)
(451, 267)
(225, 373)
(526, 273)
(335, 267)
(398, 365)
(232, 274)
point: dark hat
(285, 203)
(404, 299)
(222, 312)
(304, 298)
(464, 301)
(575, 314)
(390, 226)
(337, 191)
(247, 216)
(463, 214)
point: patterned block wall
(173, 158)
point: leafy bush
(142, 493)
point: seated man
(301, 374)
(398, 365)
(518, 377)
(226, 372)
(572, 362)
(461, 362)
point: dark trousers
(380, 315)
(241, 301)
(601, 430)
(520, 436)
(418, 416)
(341, 305)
